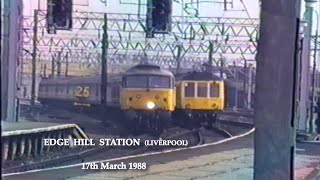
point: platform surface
(228, 165)
(24, 125)
(232, 160)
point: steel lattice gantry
(190, 43)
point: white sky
(206, 9)
(212, 9)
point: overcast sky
(207, 8)
(211, 9)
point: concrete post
(275, 90)
(304, 72)
(35, 147)
(5, 150)
(60, 136)
(10, 54)
(71, 141)
(309, 14)
(41, 144)
(13, 149)
(29, 147)
(22, 146)
(47, 148)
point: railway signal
(159, 17)
(59, 15)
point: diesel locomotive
(147, 97)
(143, 97)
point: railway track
(220, 130)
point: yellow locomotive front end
(147, 97)
(142, 99)
(200, 95)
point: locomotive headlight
(150, 105)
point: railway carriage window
(136, 82)
(202, 89)
(189, 89)
(159, 82)
(214, 90)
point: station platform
(232, 160)
(234, 164)
(25, 139)
(24, 125)
(27, 128)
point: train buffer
(25, 139)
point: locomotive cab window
(202, 89)
(214, 90)
(147, 81)
(189, 88)
(159, 82)
(136, 81)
